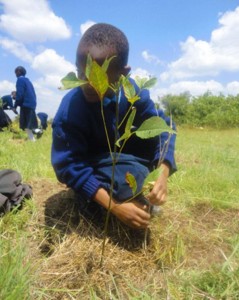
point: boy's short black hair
(105, 35)
(21, 70)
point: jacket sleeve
(20, 87)
(69, 163)
(69, 152)
(167, 141)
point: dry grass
(68, 249)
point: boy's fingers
(140, 224)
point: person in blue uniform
(43, 120)
(7, 102)
(27, 101)
(80, 153)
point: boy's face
(18, 73)
(99, 55)
(13, 95)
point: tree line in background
(205, 110)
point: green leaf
(140, 81)
(145, 83)
(128, 126)
(130, 120)
(133, 99)
(106, 63)
(98, 79)
(149, 83)
(114, 87)
(149, 181)
(123, 137)
(129, 90)
(88, 66)
(130, 179)
(152, 127)
(71, 81)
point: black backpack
(12, 190)
(5, 121)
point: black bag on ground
(12, 190)
(5, 121)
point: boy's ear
(126, 70)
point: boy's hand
(15, 111)
(132, 214)
(159, 192)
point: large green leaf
(71, 81)
(98, 79)
(152, 127)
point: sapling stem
(114, 160)
(125, 116)
(106, 132)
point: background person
(42, 124)
(8, 101)
(27, 101)
(43, 120)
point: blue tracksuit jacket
(7, 102)
(79, 137)
(25, 93)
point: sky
(190, 46)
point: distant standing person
(26, 99)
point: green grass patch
(46, 252)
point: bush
(206, 110)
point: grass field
(47, 251)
